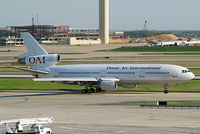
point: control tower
(104, 21)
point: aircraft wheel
(166, 91)
(166, 88)
(92, 90)
(98, 90)
(89, 91)
(84, 91)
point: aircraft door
(103, 73)
(55, 74)
(140, 76)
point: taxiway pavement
(102, 113)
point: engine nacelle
(108, 85)
(40, 60)
(129, 86)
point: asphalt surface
(104, 113)
(86, 51)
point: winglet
(32, 45)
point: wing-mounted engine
(40, 60)
(108, 85)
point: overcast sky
(124, 14)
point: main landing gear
(91, 90)
(166, 89)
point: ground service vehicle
(36, 126)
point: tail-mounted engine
(40, 60)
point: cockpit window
(185, 71)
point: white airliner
(177, 43)
(98, 77)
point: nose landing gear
(166, 89)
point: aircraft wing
(108, 79)
(76, 79)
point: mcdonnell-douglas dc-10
(98, 77)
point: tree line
(143, 33)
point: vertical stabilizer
(32, 45)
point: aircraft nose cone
(191, 76)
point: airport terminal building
(49, 34)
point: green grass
(174, 54)
(195, 71)
(184, 104)
(193, 85)
(8, 58)
(10, 70)
(13, 83)
(157, 49)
